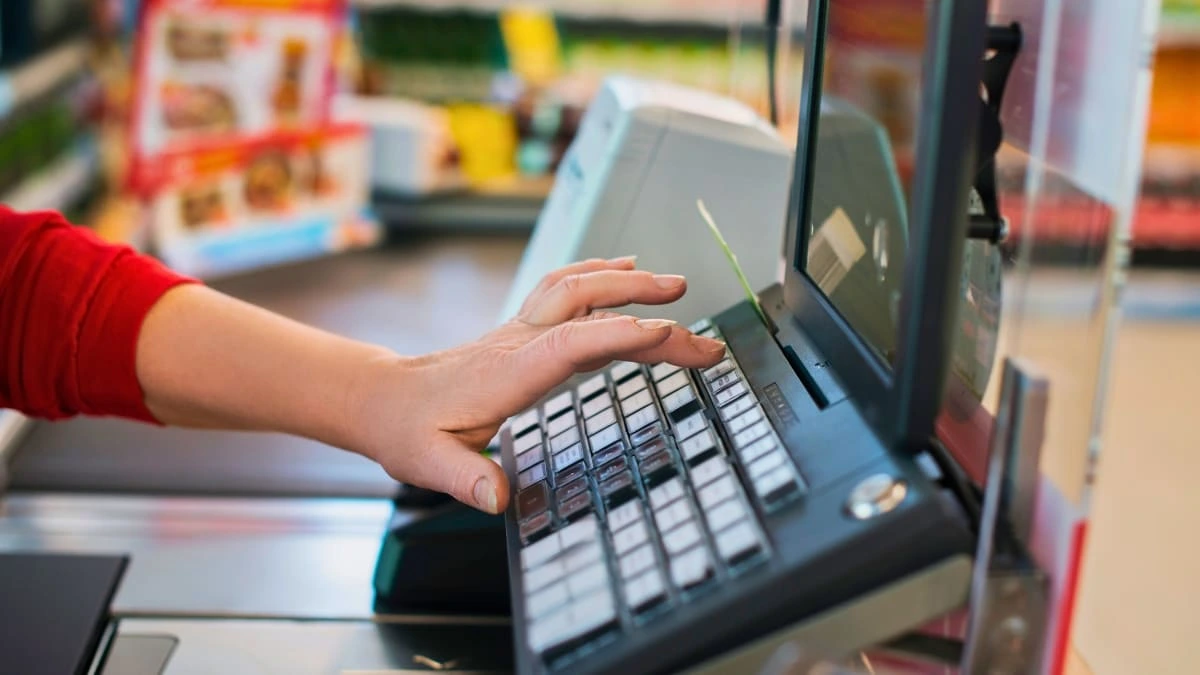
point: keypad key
(681, 403)
(718, 370)
(657, 468)
(673, 383)
(743, 421)
(767, 464)
(527, 460)
(536, 527)
(631, 387)
(527, 442)
(582, 556)
(564, 440)
(609, 454)
(682, 538)
(604, 419)
(523, 422)
(709, 332)
(727, 380)
(737, 407)
(591, 386)
(752, 434)
(637, 401)
(757, 449)
(650, 448)
(672, 516)
(691, 569)
(698, 447)
(572, 626)
(588, 579)
(571, 489)
(561, 423)
(663, 370)
(540, 552)
(642, 418)
(777, 485)
(624, 516)
(566, 458)
(597, 405)
(717, 492)
(649, 433)
(606, 437)
(533, 500)
(666, 493)
(539, 577)
(724, 514)
(549, 598)
(707, 472)
(637, 561)
(701, 325)
(618, 489)
(645, 591)
(728, 395)
(571, 473)
(623, 370)
(737, 543)
(611, 469)
(533, 475)
(575, 507)
(582, 532)
(631, 537)
(558, 404)
(690, 425)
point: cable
(773, 21)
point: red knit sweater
(71, 309)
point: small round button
(875, 496)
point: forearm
(207, 360)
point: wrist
(370, 396)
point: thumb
(463, 473)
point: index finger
(582, 267)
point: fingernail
(669, 281)
(708, 345)
(654, 324)
(485, 495)
(630, 259)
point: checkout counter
(251, 553)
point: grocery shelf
(45, 73)
(677, 12)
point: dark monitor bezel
(901, 404)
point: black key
(536, 527)
(573, 472)
(527, 478)
(570, 490)
(579, 505)
(533, 500)
(611, 469)
(658, 468)
(609, 454)
(649, 433)
(618, 489)
(527, 460)
(653, 447)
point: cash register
(666, 519)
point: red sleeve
(71, 309)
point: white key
(767, 464)
(557, 404)
(551, 597)
(588, 579)
(758, 448)
(539, 577)
(697, 445)
(718, 370)
(725, 514)
(774, 480)
(690, 568)
(605, 438)
(708, 471)
(676, 381)
(637, 561)
(564, 440)
(663, 371)
(579, 532)
(751, 434)
(540, 551)
(527, 442)
(728, 379)
(623, 369)
(717, 492)
(728, 395)
(701, 325)
(549, 630)
(597, 405)
(670, 517)
(636, 401)
(631, 387)
(641, 418)
(744, 420)
(561, 424)
(736, 541)
(679, 399)
(630, 538)
(600, 421)
(591, 387)
(523, 421)
(644, 589)
(709, 332)
(737, 408)
(624, 515)
(582, 556)
(692, 424)
(591, 612)
(681, 538)
(568, 457)
(666, 493)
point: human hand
(426, 419)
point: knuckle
(572, 284)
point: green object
(733, 261)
